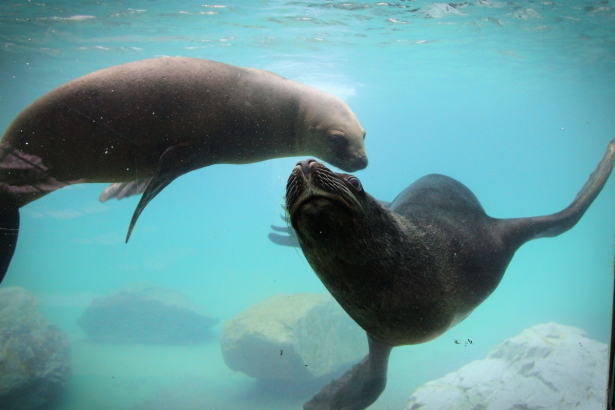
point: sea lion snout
(300, 182)
(358, 163)
(305, 166)
(314, 189)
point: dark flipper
(358, 387)
(9, 230)
(282, 240)
(520, 230)
(173, 163)
(290, 239)
(123, 190)
(25, 176)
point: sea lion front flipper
(176, 161)
(121, 190)
(358, 387)
(515, 232)
(290, 239)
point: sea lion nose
(361, 162)
(305, 166)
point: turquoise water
(518, 105)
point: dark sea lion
(161, 118)
(409, 272)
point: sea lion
(408, 272)
(161, 118)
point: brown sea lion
(159, 119)
(408, 272)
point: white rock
(548, 366)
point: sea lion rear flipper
(358, 387)
(9, 230)
(520, 230)
(25, 177)
(176, 161)
(123, 190)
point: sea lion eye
(339, 143)
(356, 184)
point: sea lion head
(332, 132)
(317, 196)
(333, 215)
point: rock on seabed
(145, 314)
(299, 337)
(548, 366)
(34, 354)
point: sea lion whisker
(324, 178)
(314, 195)
(294, 185)
(292, 192)
(291, 233)
(331, 181)
(329, 177)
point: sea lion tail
(358, 387)
(521, 230)
(9, 231)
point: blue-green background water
(518, 105)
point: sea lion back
(437, 191)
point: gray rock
(34, 354)
(297, 337)
(145, 314)
(548, 366)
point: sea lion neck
(309, 124)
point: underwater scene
(217, 300)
